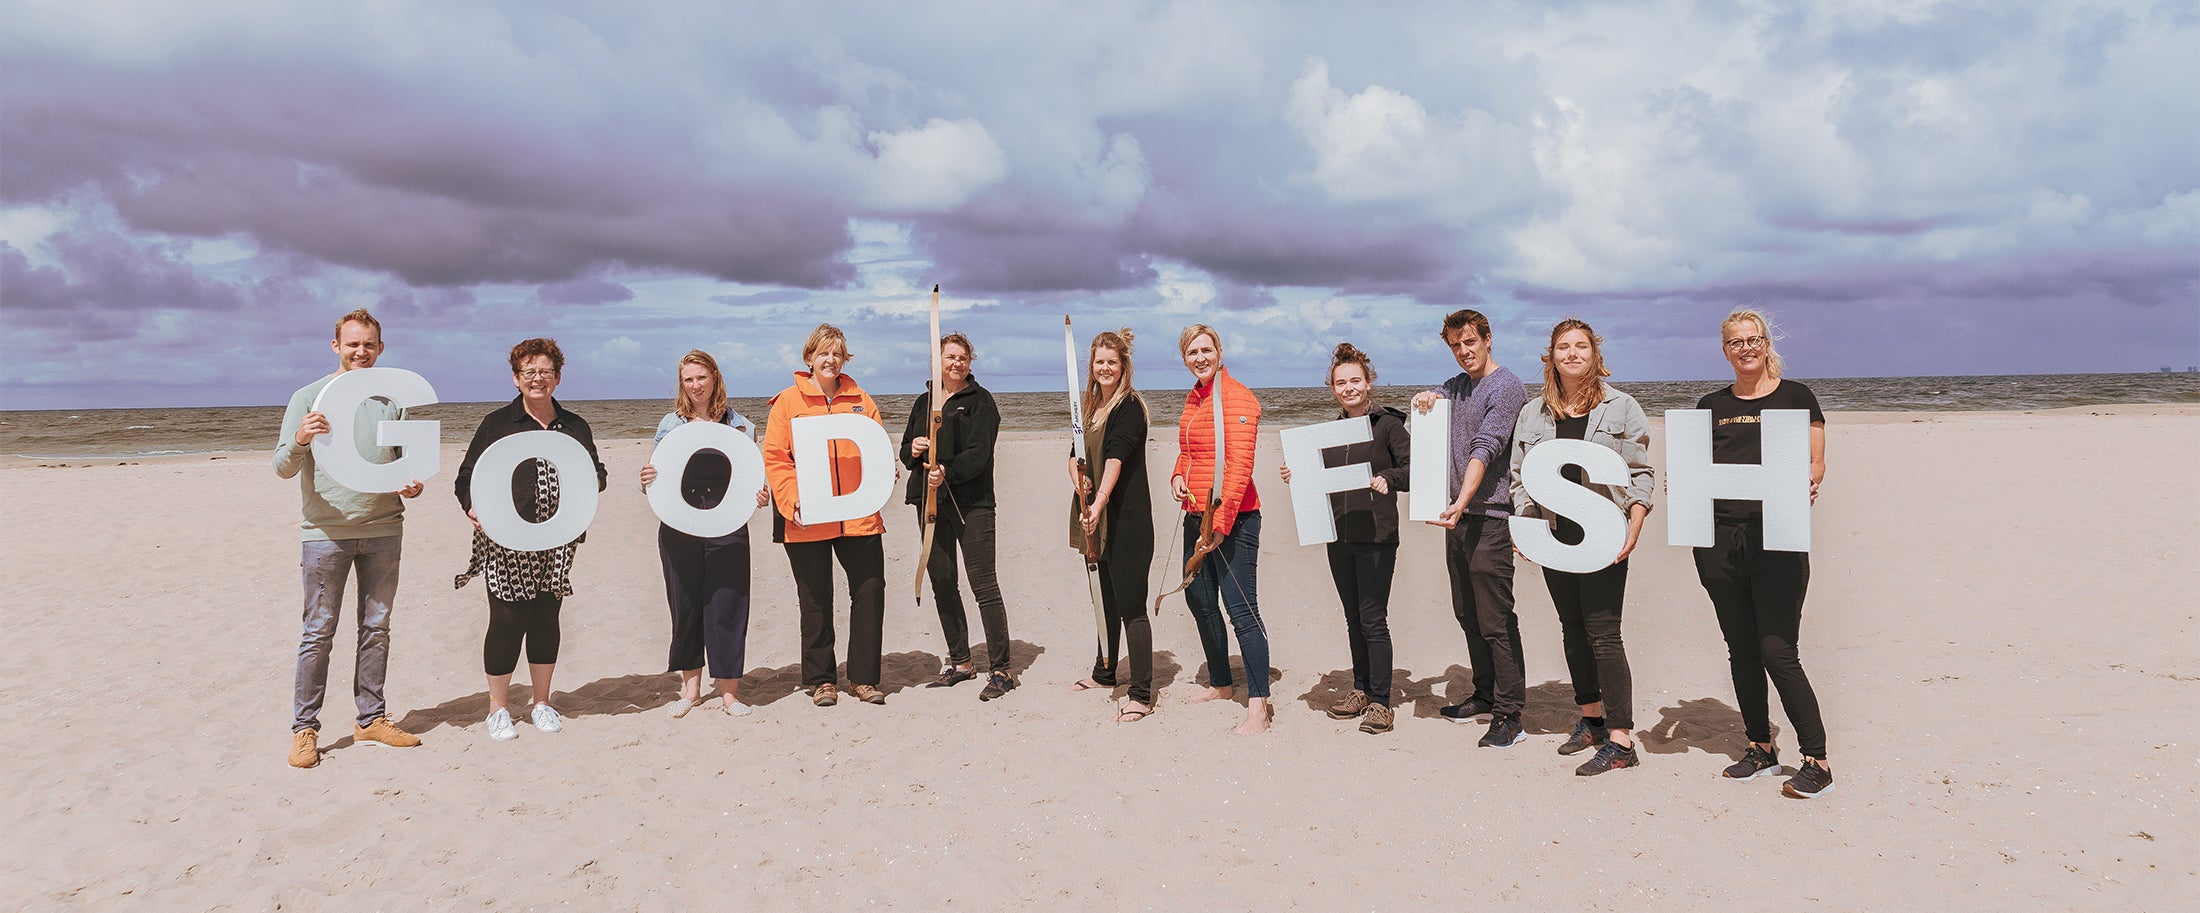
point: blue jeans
(326, 566)
(1230, 574)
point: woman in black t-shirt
(1120, 516)
(1759, 594)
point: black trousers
(1363, 571)
(863, 560)
(534, 621)
(973, 531)
(1123, 598)
(1596, 657)
(1478, 555)
(1759, 598)
(707, 588)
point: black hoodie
(970, 424)
(1361, 514)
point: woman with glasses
(526, 589)
(1759, 594)
(706, 579)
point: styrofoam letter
(1430, 474)
(492, 490)
(813, 467)
(1781, 481)
(1312, 483)
(671, 459)
(336, 452)
(1603, 527)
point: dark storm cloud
(484, 169)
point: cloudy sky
(191, 192)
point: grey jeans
(326, 565)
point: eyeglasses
(539, 373)
(1741, 343)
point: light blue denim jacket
(1617, 422)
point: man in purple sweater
(1486, 401)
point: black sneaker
(1754, 761)
(1810, 779)
(1584, 738)
(1505, 732)
(1612, 756)
(997, 684)
(952, 675)
(1465, 711)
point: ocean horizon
(81, 433)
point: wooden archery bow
(1084, 468)
(1210, 519)
(931, 453)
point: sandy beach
(2003, 628)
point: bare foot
(1085, 684)
(1212, 694)
(1256, 717)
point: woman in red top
(1227, 575)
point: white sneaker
(735, 709)
(680, 707)
(546, 719)
(500, 726)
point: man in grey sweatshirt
(1486, 401)
(344, 530)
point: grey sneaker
(1584, 738)
(1612, 756)
(547, 719)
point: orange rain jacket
(1195, 448)
(804, 398)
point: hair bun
(1348, 352)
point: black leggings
(1362, 571)
(1596, 658)
(533, 620)
(1759, 598)
(1123, 594)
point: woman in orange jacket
(811, 549)
(1227, 576)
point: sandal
(1086, 684)
(1132, 715)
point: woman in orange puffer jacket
(858, 544)
(1226, 579)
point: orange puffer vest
(1195, 447)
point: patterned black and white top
(513, 576)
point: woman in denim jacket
(1578, 405)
